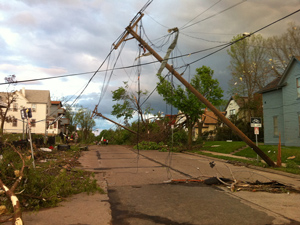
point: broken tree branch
(17, 217)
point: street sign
(255, 121)
(256, 130)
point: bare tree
(249, 67)
(282, 48)
(7, 99)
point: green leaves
(185, 101)
(127, 103)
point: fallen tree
(17, 215)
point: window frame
(33, 107)
(33, 122)
(232, 112)
(15, 122)
(15, 107)
(275, 126)
(298, 86)
(299, 124)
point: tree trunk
(200, 126)
(190, 132)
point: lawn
(223, 146)
(271, 151)
(290, 156)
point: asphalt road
(139, 190)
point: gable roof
(293, 59)
(240, 101)
(278, 83)
(209, 117)
(36, 96)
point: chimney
(23, 91)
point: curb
(296, 176)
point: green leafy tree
(128, 103)
(85, 123)
(185, 101)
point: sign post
(256, 123)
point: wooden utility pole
(99, 114)
(199, 96)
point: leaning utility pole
(99, 114)
(130, 30)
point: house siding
(232, 105)
(284, 103)
(272, 102)
(40, 116)
(291, 106)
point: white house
(38, 101)
(233, 106)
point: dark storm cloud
(48, 38)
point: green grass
(291, 165)
(223, 146)
(252, 162)
(271, 151)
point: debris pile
(233, 185)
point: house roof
(172, 119)
(240, 101)
(56, 103)
(3, 104)
(36, 96)
(272, 86)
(278, 83)
(208, 117)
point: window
(299, 123)
(275, 125)
(298, 87)
(15, 123)
(15, 107)
(33, 107)
(33, 122)
(232, 112)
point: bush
(148, 145)
(179, 138)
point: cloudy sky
(50, 39)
